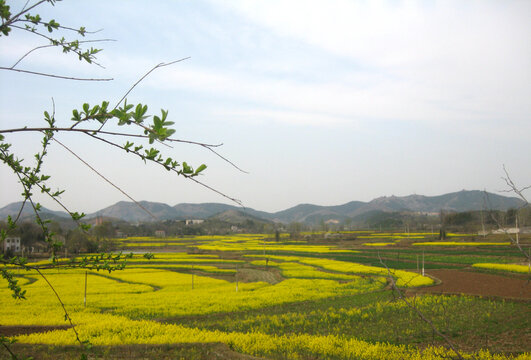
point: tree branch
(145, 75)
(81, 55)
(91, 132)
(23, 11)
(56, 76)
(53, 45)
(174, 170)
(104, 178)
(417, 311)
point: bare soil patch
(474, 283)
(197, 351)
(29, 329)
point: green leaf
(187, 169)
(200, 168)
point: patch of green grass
(380, 317)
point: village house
(160, 233)
(194, 221)
(12, 244)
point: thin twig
(56, 76)
(26, 4)
(23, 11)
(104, 178)
(52, 45)
(174, 170)
(67, 315)
(20, 211)
(13, 356)
(514, 188)
(145, 75)
(139, 80)
(414, 308)
(505, 232)
(61, 27)
(75, 51)
(56, 129)
(92, 131)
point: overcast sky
(322, 102)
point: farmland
(318, 296)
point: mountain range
(305, 213)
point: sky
(320, 102)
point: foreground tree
(148, 133)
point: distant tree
(104, 230)
(30, 233)
(442, 230)
(78, 241)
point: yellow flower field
(523, 269)
(147, 302)
(403, 278)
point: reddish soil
(473, 283)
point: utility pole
(482, 224)
(423, 263)
(517, 230)
(236, 277)
(85, 298)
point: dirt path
(28, 329)
(473, 283)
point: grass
(378, 317)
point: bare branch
(417, 311)
(145, 75)
(513, 187)
(104, 178)
(67, 315)
(56, 76)
(20, 211)
(506, 233)
(174, 170)
(26, 4)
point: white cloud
(441, 58)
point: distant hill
(27, 212)
(458, 201)
(131, 212)
(206, 210)
(304, 213)
(237, 217)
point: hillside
(304, 213)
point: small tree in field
(146, 133)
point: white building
(194, 221)
(12, 243)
